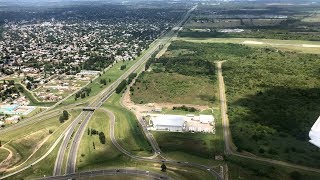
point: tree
(163, 168)
(121, 86)
(94, 146)
(102, 138)
(123, 67)
(61, 119)
(65, 115)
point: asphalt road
(103, 96)
(149, 159)
(110, 172)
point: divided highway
(103, 96)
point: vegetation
(64, 116)
(185, 108)
(240, 168)
(126, 127)
(184, 74)
(121, 86)
(272, 99)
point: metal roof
(168, 120)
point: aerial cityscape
(160, 89)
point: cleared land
(286, 45)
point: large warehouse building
(314, 134)
(168, 123)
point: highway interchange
(84, 117)
(78, 126)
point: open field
(127, 126)
(286, 45)
(28, 143)
(3, 154)
(43, 168)
(88, 155)
(179, 76)
(107, 156)
(172, 88)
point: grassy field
(107, 156)
(179, 76)
(173, 88)
(43, 168)
(240, 168)
(3, 154)
(126, 127)
(26, 140)
(286, 45)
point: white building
(168, 123)
(314, 134)
(206, 119)
(88, 72)
(1, 123)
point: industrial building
(174, 123)
(314, 134)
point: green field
(43, 168)
(180, 76)
(127, 127)
(107, 156)
(173, 88)
(24, 142)
(3, 154)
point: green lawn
(126, 127)
(43, 168)
(108, 156)
(25, 140)
(3, 154)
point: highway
(110, 172)
(230, 148)
(103, 96)
(179, 163)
